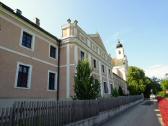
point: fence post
(13, 114)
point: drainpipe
(58, 75)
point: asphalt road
(144, 114)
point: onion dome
(119, 45)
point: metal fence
(58, 113)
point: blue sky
(142, 25)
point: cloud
(158, 71)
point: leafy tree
(136, 80)
(164, 84)
(152, 86)
(156, 87)
(138, 83)
(86, 87)
(149, 87)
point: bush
(164, 84)
(162, 94)
(114, 93)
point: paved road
(144, 114)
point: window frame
(111, 87)
(55, 85)
(103, 68)
(94, 63)
(109, 70)
(33, 40)
(119, 52)
(83, 56)
(55, 52)
(29, 81)
(106, 88)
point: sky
(141, 25)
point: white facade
(120, 53)
(92, 48)
(120, 63)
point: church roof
(117, 62)
(118, 74)
(96, 38)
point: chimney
(37, 21)
(69, 20)
(19, 12)
(76, 22)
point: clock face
(119, 52)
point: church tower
(120, 63)
(120, 51)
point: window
(82, 55)
(105, 88)
(119, 52)
(23, 76)
(94, 63)
(53, 52)
(27, 40)
(103, 68)
(51, 81)
(109, 72)
(111, 87)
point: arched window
(119, 52)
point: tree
(149, 87)
(86, 87)
(164, 84)
(156, 87)
(139, 83)
(136, 80)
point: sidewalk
(144, 114)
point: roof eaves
(28, 21)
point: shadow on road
(148, 103)
(144, 114)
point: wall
(11, 52)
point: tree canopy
(86, 87)
(136, 80)
(139, 83)
(164, 84)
